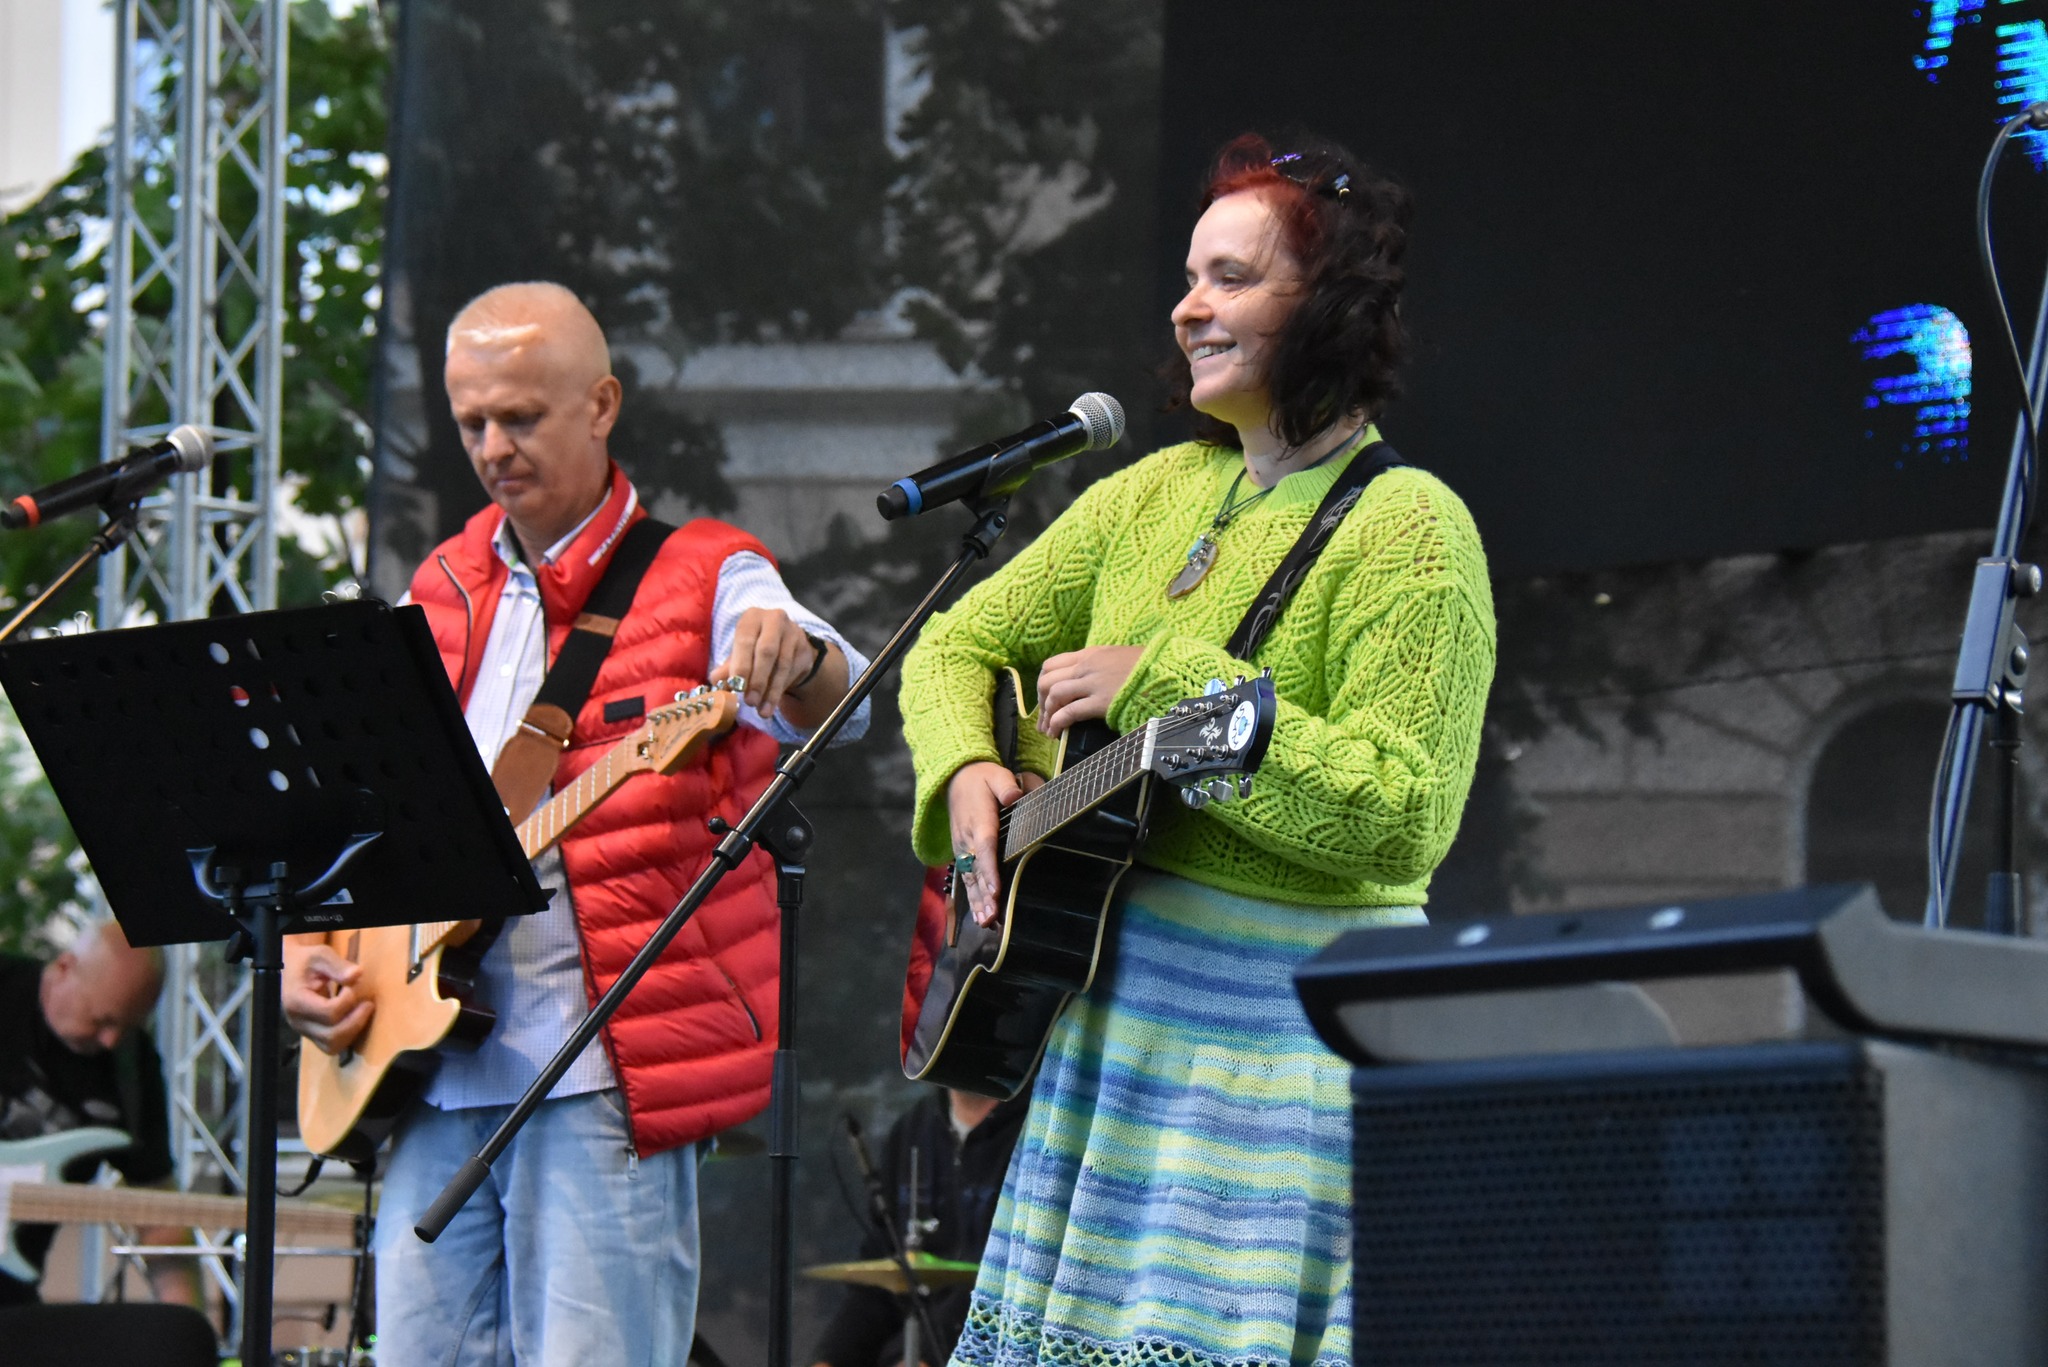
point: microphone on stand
(118, 481)
(1094, 422)
(878, 1200)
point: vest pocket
(753, 1021)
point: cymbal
(883, 1272)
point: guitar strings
(1063, 795)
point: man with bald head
(581, 1248)
(73, 1054)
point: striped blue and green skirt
(1182, 1191)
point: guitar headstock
(1209, 746)
(671, 736)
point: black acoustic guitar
(980, 1022)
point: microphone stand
(901, 1245)
(119, 527)
(774, 822)
(1990, 682)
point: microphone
(1001, 467)
(118, 481)
(878, 1199)
(866, 1163)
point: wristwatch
(818, 645)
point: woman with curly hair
(1182, 1190)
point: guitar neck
(58, 1203)
(1075, 791)
(552, 819)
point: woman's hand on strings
(1080, 684)
(975, 798)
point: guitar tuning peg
(1266, 673)
(1219, 790)
(1195, 798)
(1244, 785)
(736, 684)
(1239, 683)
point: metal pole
(1952, 814)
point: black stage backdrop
(1666, 255)
(823, 212)
(1687, 280)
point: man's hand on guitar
(975, 797)
(319, 995)
(1081, 684)
(782, 667)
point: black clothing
(958, 1183)
(46, 1088)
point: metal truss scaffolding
(195, 317)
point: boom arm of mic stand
(991, 519)
(119, 527)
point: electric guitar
(31, 1192)
(981, 1019)
(422, 977)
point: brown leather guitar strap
(526, 766)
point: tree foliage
(52, 324)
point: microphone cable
(1941, 814)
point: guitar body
(996, 991)
(43, 1159)
(979, 1016)
(426, 997)
(349, 1103)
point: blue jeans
(574, 1253)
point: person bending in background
(963, 1145)
(1181, 1192)
(73, 1053)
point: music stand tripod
(240, 778)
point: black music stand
(241, 778)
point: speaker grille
(1724, 1209)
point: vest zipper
(468, 616)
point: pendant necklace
(1202, 555)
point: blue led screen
(1685, 280)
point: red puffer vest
(692, 1045)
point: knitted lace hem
(999, 1337)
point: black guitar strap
(1329, 515)
(526, 764)
(569, 682)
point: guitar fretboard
(58, 1203)
(1076, 791)
(555, 816)
(552, 820)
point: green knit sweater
(1381, 662)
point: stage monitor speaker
(1563, 1160)
(1853, 1203)
(1813, 962)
